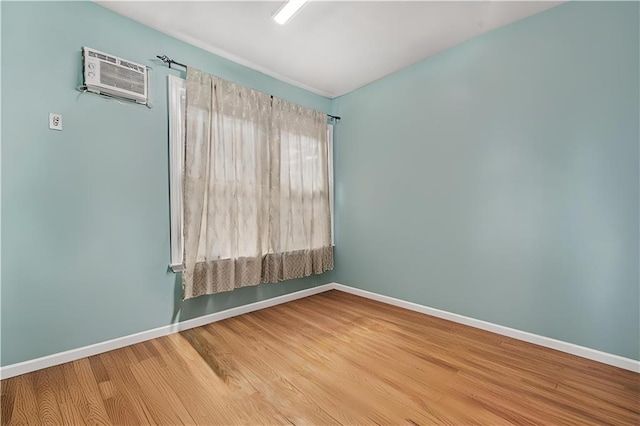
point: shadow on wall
(192, 308)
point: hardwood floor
(327, 359)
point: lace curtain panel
(256, 188)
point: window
(177, 111)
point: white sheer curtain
(256, 188)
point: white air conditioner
(109, 75)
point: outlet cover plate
(55, 121)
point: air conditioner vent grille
(103, 57)
(132, 66)
(122, 78)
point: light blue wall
(499, 179)
(85, 211)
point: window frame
(177, 109)
(330, 134)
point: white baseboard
(98, 348)
(559, 345)
(120, 342)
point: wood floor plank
(25, 407)
(264, 374)
(89, 393)
(315, 377)
(8, 397)
(76, 396)
(204, 395)
(354, 364)
(332, 358)
(165, 406)
(68, 410)
(395, 364)
(117, 365)
(48, 408)
(352, 370)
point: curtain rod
(167, 60)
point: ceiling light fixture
(287, 11)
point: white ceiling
(329, 47)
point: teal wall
(85, 211)
(499, 179)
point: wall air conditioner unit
(112, 76)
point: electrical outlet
(55, 121)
